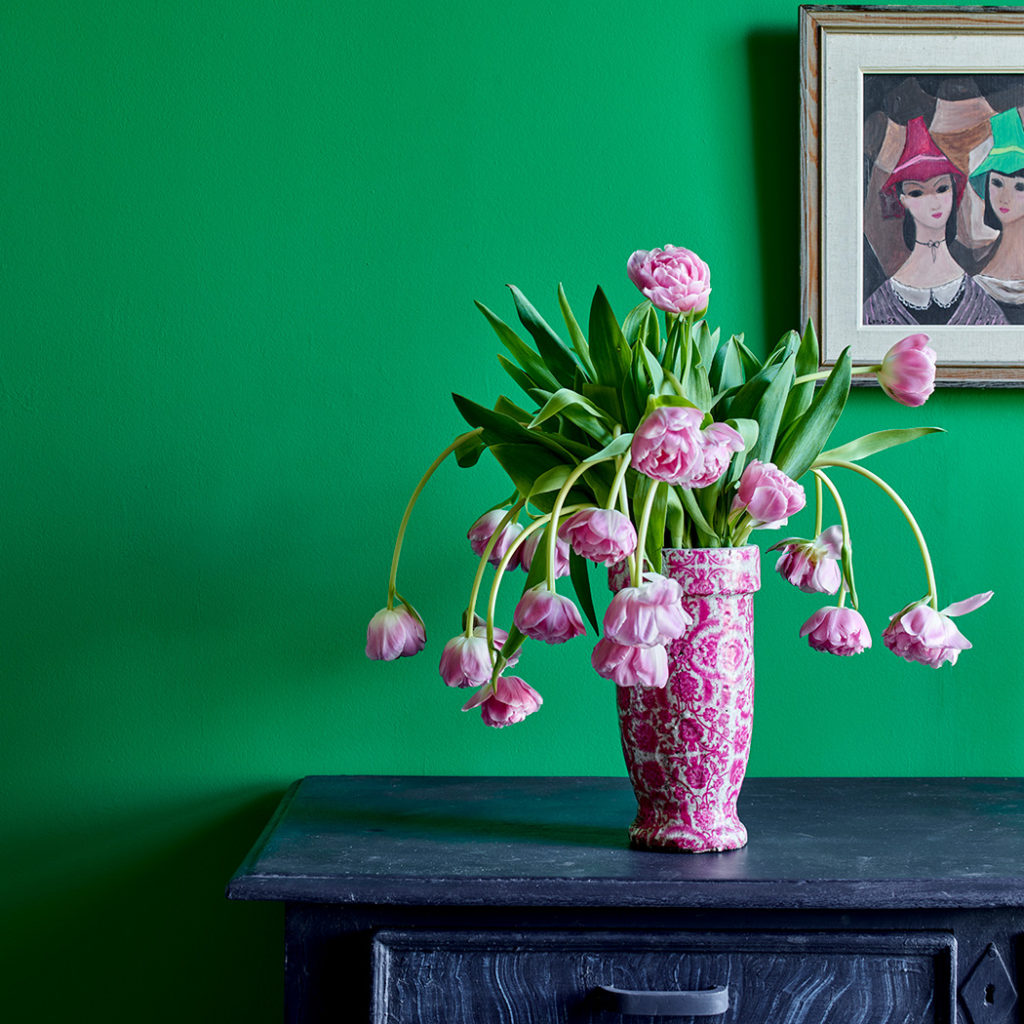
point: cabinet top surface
(827, 843)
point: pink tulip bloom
(544, 615)
(631, 666)
(647, 615)
(529, 549)
(920, 633)
(509, 701)
(394, 633)
(674, 279)
(841, 631)
(483, 529)
(720, 441)
(908, 371)
(500, 637)
(812, 565)
(669, 445)
(466, 661)
(600, 535)
(768, 495)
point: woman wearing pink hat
(929, 287)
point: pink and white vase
(686, 746)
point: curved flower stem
(847, 551)
(641, 547)
(484, 559)
(907, 514)
(817, 508)
(500, 572)
(461, 439)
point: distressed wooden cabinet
(422, 900)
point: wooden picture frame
(893, 92)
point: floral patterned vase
(686, 746)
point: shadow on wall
(130, 923)
(774, 61)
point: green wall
(239, 246)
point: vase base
(680, 839)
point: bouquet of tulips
(658, 433)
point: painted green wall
(239, 244)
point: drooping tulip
(630, 666)
(812, 565)
(601, 535)
(907, 374)
(466, 661)
(483, 529)
(394, 633)
(541, 614)
(768, 495)
(647, 615)
(507, 702)
(841, 631)
(922, 634)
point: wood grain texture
(538, 978)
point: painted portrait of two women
(944, 202)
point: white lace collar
(943, 295)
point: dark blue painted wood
(831, 863)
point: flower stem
(847, 550)
(460, 440)
(907, 514)
(503, 565)
(817, 508)
(823, 374)
(641, 548)
(484, 559)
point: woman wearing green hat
(929, 287)
(999, 181)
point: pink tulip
(394, 633)
(841, 631)
(483, 529)
(647, 615)
(508, 701)
(908, 371)
(669, 445)
(600, 535)
(631, 666)
(720, 441)
(768, 495)
(920, 633)
(529, 549)
(500, 637)
(466, 661)
(674, 279)
(544, 615)
(812, 565)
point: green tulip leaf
(579, 575)
(806, 438)
(552, 349)
(854, 451)
(525, 356)
(579, 342)
(578, 410)
(608, 348)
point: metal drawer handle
(703, 1003)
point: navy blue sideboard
(422, 900)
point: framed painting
(913, 184)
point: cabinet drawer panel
(556, 978)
